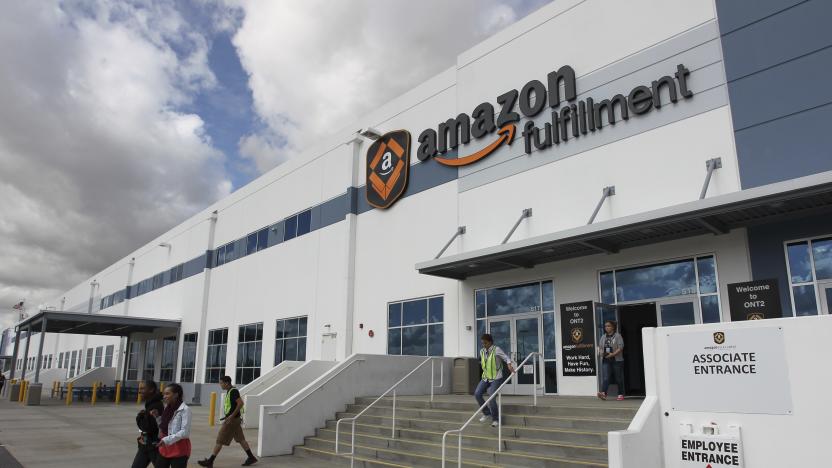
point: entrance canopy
(93, 324)
(50, 321)
(715, 215)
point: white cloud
(95, 157)
(314, 65)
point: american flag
(18, 306)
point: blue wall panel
(778, 57)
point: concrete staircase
(561, 432)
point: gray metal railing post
(393, 429)
(500, 422)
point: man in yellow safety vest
(231, 428)
(492, 361)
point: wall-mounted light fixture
(370, 133)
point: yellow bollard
(118, 393)
(69, 394)
(139, 395)
(94, 394)
(24, 384)
(213, 410)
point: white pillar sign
(732, 371)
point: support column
(126, 360)
(352, 226)
(58, 335)
(14, 353)
(40, 349)
(201, 343)
(26, 351)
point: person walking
(146, 441)
(231, 428)
(492, 361)
(612, 350)
(2, 382)
(174, 430)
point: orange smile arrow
(506, 135)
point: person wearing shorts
(231, 427)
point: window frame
(816, 284)
(241, 369)
(191, 371)
(280, 341)
(426, 325)
(209, 378)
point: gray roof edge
(101, 318)
(801, 185)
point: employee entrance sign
(710, 451)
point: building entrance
(519, 336)
(632, 318)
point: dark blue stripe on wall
(777, 55)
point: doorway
(632, 318)
(519, 336)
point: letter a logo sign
(388, 163)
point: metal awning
(715, 215)
(93, 324)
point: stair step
(395, 457)
(422, 455)
(476, 444)
(454, 419)
(468, 403)
(463, 413)
(341, 460)
(478, 431)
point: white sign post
(735, 371)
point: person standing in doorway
(231, 428)
(612, 350)
(492, 361)
(146, 453)
(174, 430)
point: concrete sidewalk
(83, 436)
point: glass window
(149, 360)
(394, 314)
(800, 265)
(682, 313)
(548, 296)
(89, 359)
(60, 360)
(108, 355)
(479, 299)
(304, 222)
(607, 288)
(132, 361)
(416, 327)
(229, 254)
(707, 275)
(513, 299)
(99, 355)
(549, 337)
(251, 243)
(188, 357)
(822, 255)
(215, 359)
(290, 344)
(262, 239)
(290, 228)
(168, 359)
(249, 350)
(804, 300)
(415, 312)
(710, 309)
(655, 281)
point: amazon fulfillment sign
(388, 161)
(731, 371)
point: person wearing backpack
(231, 428)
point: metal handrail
(391, 389)
(499, 396)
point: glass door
(518, 337)
(678, 311)
(603, 313)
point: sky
(119, 119)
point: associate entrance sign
(578, 339)
(731, 371)
(754, 300)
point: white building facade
(623, 112)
